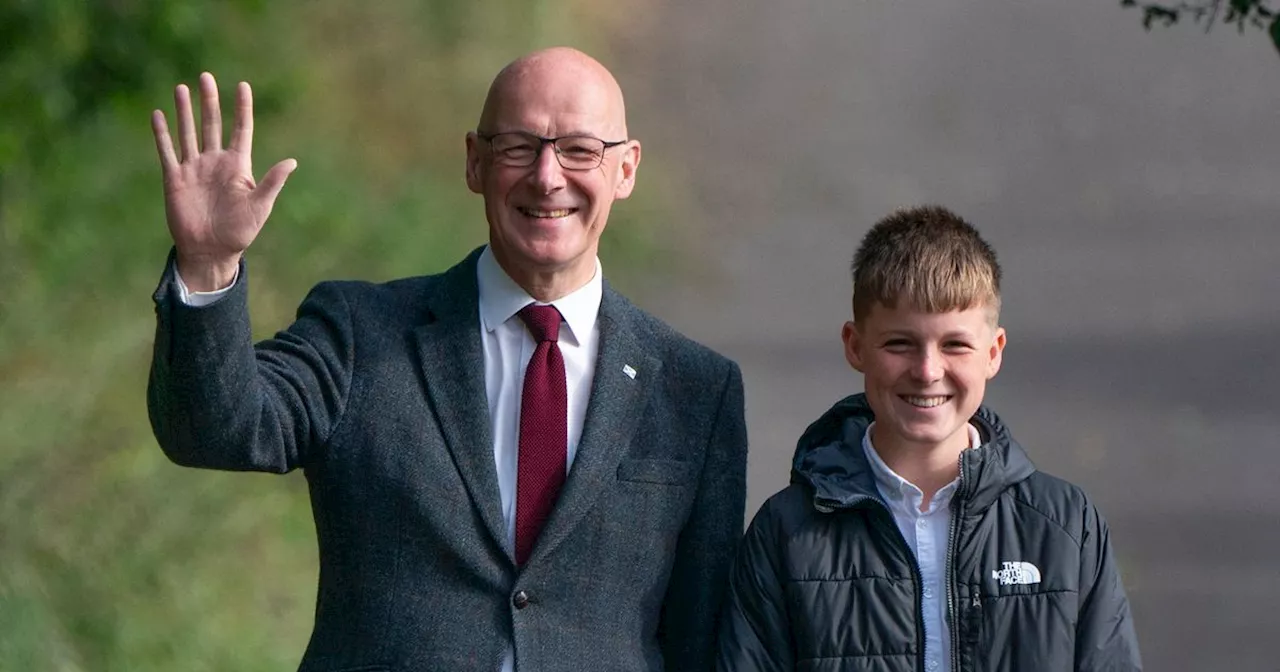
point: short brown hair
(929, 257)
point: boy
(916, 534)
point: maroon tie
(544, 429)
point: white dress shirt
(508, 346)
(507, 349)
(927, 534)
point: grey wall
(1129, 183)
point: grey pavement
(1129, 182)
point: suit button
(520, 600)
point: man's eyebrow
(566, 134)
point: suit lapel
(453, 367)
(614, 407)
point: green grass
(111, 558)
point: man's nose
(548, 174)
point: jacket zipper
(952, 620)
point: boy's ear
(996, 353)
(852, 340)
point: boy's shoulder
(1026, 486)
(789, 506)
(1056, 499)
(786, 513)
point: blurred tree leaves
(1240, 13)
(62, 60)
(67, 69)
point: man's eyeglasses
(521, 150)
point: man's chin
(550, 258)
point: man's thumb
(271, 184)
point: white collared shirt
(927, 534)
(507, 349)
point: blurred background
(1127, 178)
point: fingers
(264, 196)
(242, 132)
(186, 123)
(164, 144)
(210, 113)
(210, 118)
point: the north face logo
(1016, 574)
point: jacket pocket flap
(665, 472)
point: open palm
(214, 207)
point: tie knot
(543, 322)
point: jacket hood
(829, 459)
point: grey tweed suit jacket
(377, 393)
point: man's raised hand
(213, 205)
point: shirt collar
(892, 486)
(501, 298)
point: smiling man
(547, 209)
(511, 467)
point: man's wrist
(203, 275)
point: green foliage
(111, 558)
(61, 61)
(1240, 13)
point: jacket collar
(829, 459)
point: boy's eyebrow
(955, 333)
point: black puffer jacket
(825, 581)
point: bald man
(511, 467)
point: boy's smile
(924, 373)
(920, 401)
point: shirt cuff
(199, 299)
